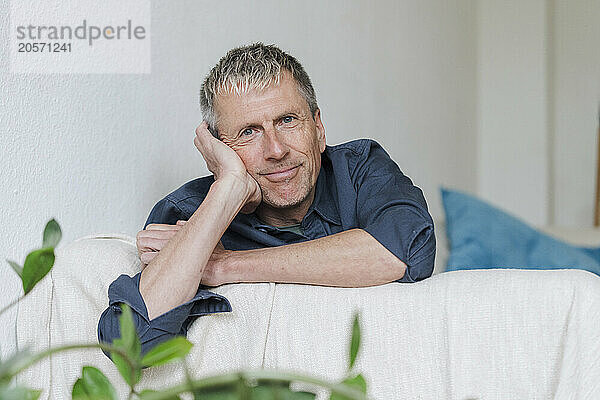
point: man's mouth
(282, 174)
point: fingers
(152, 239)
(255, 199)
(149, 247)
(152, 243)
(160, 231)
(203, 147)
(164, 227)
(147, 257)
(203, 137)
(143, 238)
(202, 131)
(149, 240)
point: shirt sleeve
(392, 210)
(125, 289)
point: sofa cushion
(483, 236)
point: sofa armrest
(65, 307)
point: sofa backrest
(464, 334)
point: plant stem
(104, 346)
(252, 376)
(11, 304)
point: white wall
(538, 105)
(512, 97)
(575, 108)
(97, 151)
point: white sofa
(482, 334)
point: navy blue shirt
(359, 186)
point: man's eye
(288, 119)
(247, 132)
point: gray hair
(255, 66)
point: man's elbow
(419, 268)
(420, 262)
(108, 328)
(398, 268)
(150, 337)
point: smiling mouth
(282, 175)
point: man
(281, 206)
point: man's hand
(216, 272)
(152, 239)
(222, 160)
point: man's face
(279, 142)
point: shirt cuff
(419, 269)
(410, 237)
(175, 321)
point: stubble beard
(278, 199)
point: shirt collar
(325, 201)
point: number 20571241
(44, 47)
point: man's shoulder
(196, 189)
(180, 203)
(357, 147)
(354, 153)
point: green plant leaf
(175, 348)
(150, 394)
(16, 267)
(93, 385)
(228, 391)
(18, 393)
(336, 396)
(280, 389)
(278, 392)
(37, 264)
(357, 382)
(52, 234)
(355, 341)
(129, 342)
(299, 396)
(303, 396)
(263, 393)
(124, 367)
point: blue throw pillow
(482, 236)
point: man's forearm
(351, 258)
(173, 276)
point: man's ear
(320, 130)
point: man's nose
(274, 147)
